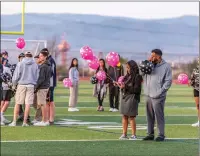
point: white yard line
(17, 141)
(68, 115)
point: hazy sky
(144, 10)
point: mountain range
(128, 36)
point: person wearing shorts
(42, 87)
(194, 82)
(53, 82)
(6, 94)
(25, 78)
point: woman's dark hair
(104, 66)
(134, 70)
(72, 65)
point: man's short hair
(4, 53)
(45, 50)
(157, 52)
(44, 53)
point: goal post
(33, 46)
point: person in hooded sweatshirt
(25, 78)
(156, 86)
(42, 87)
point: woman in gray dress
(130, 98)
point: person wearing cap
(156, 86)
(5, 54)
(21, 110)
(53, 82)
(25, 78)
(20, 57)
(114, 73)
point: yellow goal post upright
(22, 23)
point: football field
(90, 133)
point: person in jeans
(114, 73)
(100, 89)
(132, 85)
(156, 86)
(42, 86)
(25, 78)
(74, 77)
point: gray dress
(130, 96)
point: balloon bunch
(146, 67)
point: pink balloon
(112, 59)
(94, 63)
(101, 75)
(183, 79)
(86, 53)
(121, 79)
(20, 43)
(67, 82)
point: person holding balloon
(115, 72)
(131, 86)
(100, 89)
(156, 85)
(74, 77)
(194, 82)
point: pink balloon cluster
(112, 59)
(86, 53)
(121, 79)
(94, 63)
(101, 75)
(20, 43)
(67, 82)
(183, 79)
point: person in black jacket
(132, 85)
(53, 82)
(114, 73)
(42, 86)
(1, 72)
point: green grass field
(89, 133)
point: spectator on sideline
(156, 86)
(25, 78)
(194, 82)
(131, 89)
(114, 73)
(7, 93)
(74, 77)
(42, 86)
(100, 89)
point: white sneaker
(34, 121)
(115, 110)
(72, 110)
(111, 109)
(195, 124)
(25, 125)
(13, 124)
(2, 123)
(41, 123)
(133, 137)
(76, 109)
(4, 120)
